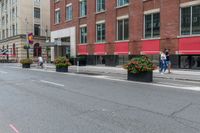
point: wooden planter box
(64, 69)
(141, 77)
(26, 65)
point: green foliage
(62, 65)
(140, 64)
(62, 62)
(48, 49)
(26, 61)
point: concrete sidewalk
(176, 74)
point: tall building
(110, 32)
(19, 18)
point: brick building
(112, 31)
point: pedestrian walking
(168, 62)
(162, 62)
(40, 61)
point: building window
(152, 25)
(3, 34)
(37, 13)
(7, 33)
(37, 50)
(55, 1)
(83, 35)
(100, 5)
(100, 32)
(13, 14)
(123, 29)
(37, 30)
(122, 2)
(69, 12)
(57, 17)
(83, 8)
(13, 30)
(14, 52)
(190, 20)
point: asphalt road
(34, 101)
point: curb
(124, 74)
(182, 79)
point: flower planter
(141, 77)
(63, 69)
(26, 65)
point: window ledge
(82, 17)
(122, 6)
(83, 44)
(122, 41)
(57, 23)
(100, 12)
(68, 21)
(100, 42)
(156, 38)
(188, 36)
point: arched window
(37, 50)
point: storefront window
(123, 59)
(195, 62)
(185, 62)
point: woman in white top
(162, 62)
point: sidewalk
(119, 72)
(176, 74)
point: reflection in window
(152, 25)
(190, 20)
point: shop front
(189, 53)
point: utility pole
(27, 46)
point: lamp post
(45, 30)
(27, 42)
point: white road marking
(13, 128)
(176, 86)
(3, 72)
(53, 83)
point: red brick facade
(169, 22)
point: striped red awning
(82, 50)
(121, 48)
(100, 49)
(150, 47)
(189, 45)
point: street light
(27, 41)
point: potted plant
(62, 64)
(26, 62)
(140, 68)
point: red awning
(121, 48)
(189, 45)
(150, 47)
(99, 49)
(82, 50)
